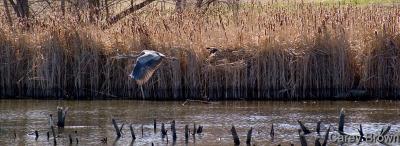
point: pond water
(92, 120)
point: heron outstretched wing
(146, 65)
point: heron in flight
(147, 63)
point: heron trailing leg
(141, 88)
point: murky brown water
(92, 120)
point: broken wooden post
(132, 132)
(141, 127)
(272, 133)
(62, 113)
(186, 133)
(199, 129)
(117, 130)
(76, 137)
(362, 138)
(341, 122)
(303, 140)
(70, 139)
(248, 140)
(173, 129)
(36, 135)
(194, 129)
(48, 135)
(54, 135)
(317, 143)
(326, 136)
(318, 127)
(163, 131)
(235, 136)
(303, 128)
(155, 125)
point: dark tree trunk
(94, 10)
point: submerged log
(117, 130)
(303, 128)
(132, 132)
(249, 133)
(62, 113)
(235, 136)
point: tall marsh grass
(301, 51)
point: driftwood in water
(272, 133)
(186, 133)
(249, 133)
(199, 130)
(318, 127)
(303, 128)
(326, 137)
(341, 122)
(303, 140)
(62, 113)
(117, 130)
(198, 101)
(155, 125)
(163, 131)
(36, 135)
(132, 132)
(235, 136)
(173, 130)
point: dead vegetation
(298, 51)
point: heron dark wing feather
(145, 66)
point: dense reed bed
(268, 51)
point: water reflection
(92, 120)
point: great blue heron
(146, 64)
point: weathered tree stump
(194, 129)
(70, 139)
(132, 132)
(117, 130)
(235, 136)
(303, 140)
(62, 113)
(163, 131)
(249, 133)
(173, 129)
(303, 128)
(272, 132)
(318, 127)
(155, 125)
(36, 135)
(186, 133)
(199, 129)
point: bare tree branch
(125, 13)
